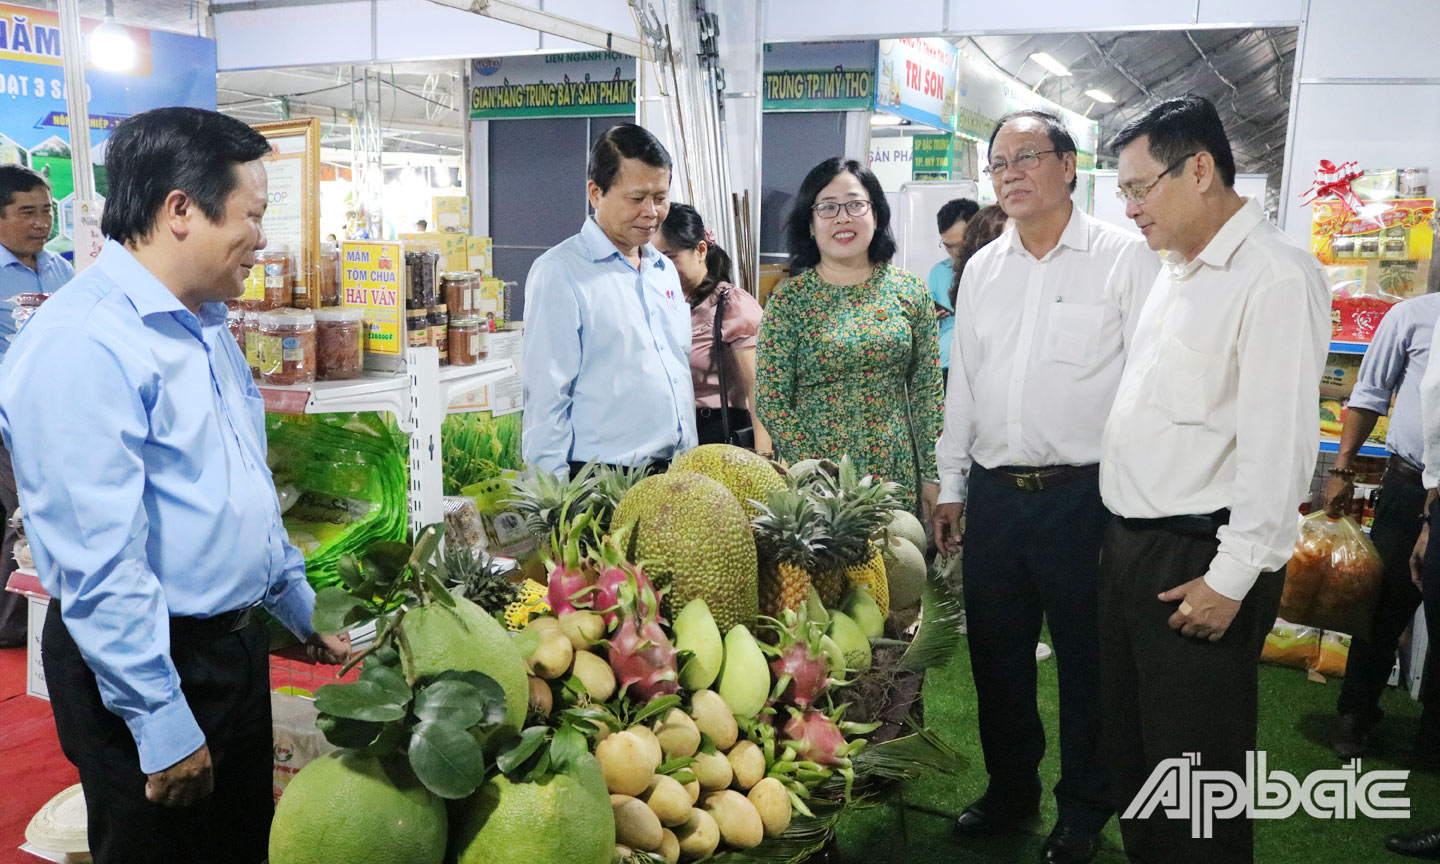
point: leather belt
(1401, 467)
(1191, 526)
(213, 626)
(1028, 478)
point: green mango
(861, 606)
(816, 608)
(745, 677)
(834, 657)
(851, 639)
(695, 631)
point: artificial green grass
(1295, 714)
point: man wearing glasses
(1208, 452)
(26, 267)
(1044, 315)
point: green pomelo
(347, 807)
(466, 639)
(695, 541)
(563, 819)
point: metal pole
(72, 53)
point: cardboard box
(492, 300)
(450, 214)
(482, 255)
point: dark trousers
(225, 679)
(14, 609)
(1033, 556)
(1166, 695)
(1430, 594)
(1396, 528)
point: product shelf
(1348, 347)
(378, 392)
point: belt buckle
(1029, 481)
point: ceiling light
(111, 48)
(879, 119)
(1055, 67)
(1100, 96)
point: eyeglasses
(951, 248)
(1138, 194)
(831, 209)
(1024, 161)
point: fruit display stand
(655, 699)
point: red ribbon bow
(1333, 180)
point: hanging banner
(830, 76)
(984, 94)
(169, 69)
(915, 79)
(583, 84)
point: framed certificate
(292, 216)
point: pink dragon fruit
(613, 590)
(572, 578)
(817, 738)
(643, 658)
(801, 671)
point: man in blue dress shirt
(138, 441)
(26, 267)
(607, 328)
(1393, 366)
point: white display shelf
(378, 392)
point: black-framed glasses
(1138, 194)
(1026, 160)
(831, 209)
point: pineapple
(482, 579)
(788, 533)
(530, 604)
(611, 484)
(856, 512)
(548, 501)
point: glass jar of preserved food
(439, 331)
(468, 341)
(251, 326)
(339, 337)
(459, 290)
(417, 328)
(329, 274)
(287, 346)
(235, 322)
(272, 279)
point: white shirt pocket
(1073, 334)
(1188, 383)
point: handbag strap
(719, 360)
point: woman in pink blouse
(704, 270)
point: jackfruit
(748, 477)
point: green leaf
(684, 777)
(521, 748)
(354, 734)
(539, 770)
(427, 547)
(567, 748)
(388, 561)
(490, 693)
(675, 765)
(383, 655)
(656, 707)
(447, 759)
(526, 642)
(455, 702)
(388, 680)
(336, 610)
(351, 572)
(360, 700)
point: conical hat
(60, 826)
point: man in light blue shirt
(138, 441)
(951, 219)
(607, 328)
(26, 267)
(1393, 366)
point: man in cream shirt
(1044, 314)
(1207, 455)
